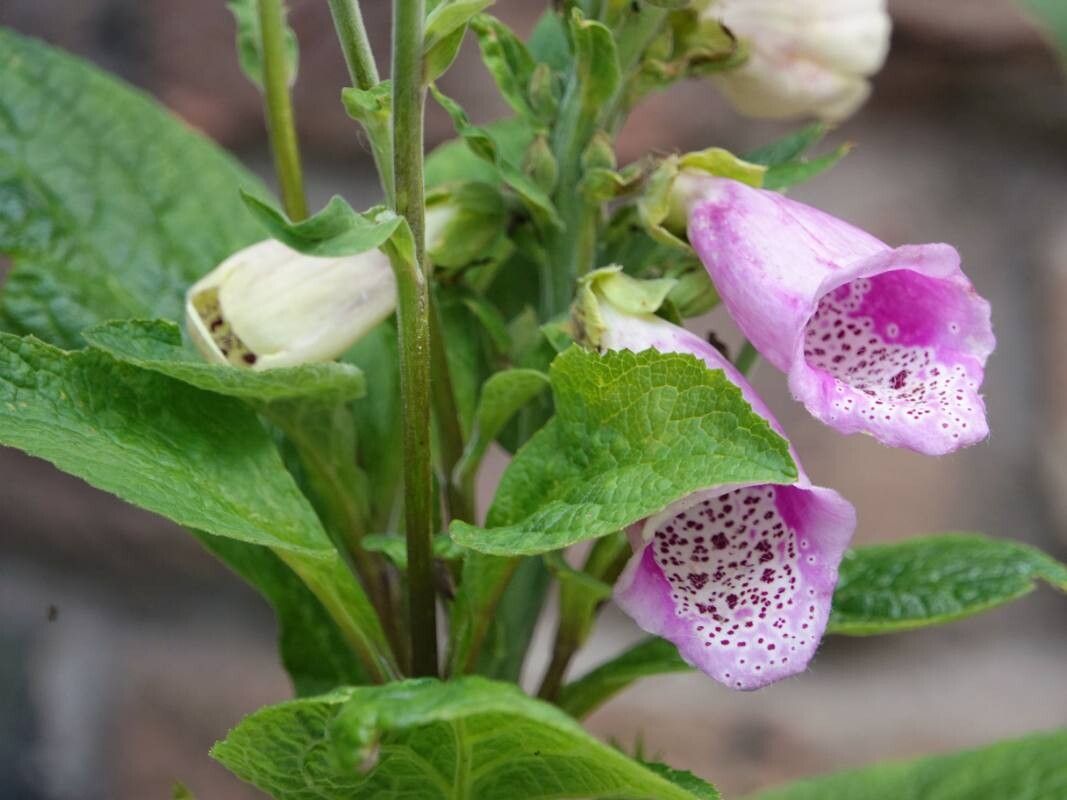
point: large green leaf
(1031, 768)
(199, 458)
(110, 206)
(935, 579)
(469, 739)
(632, 434)
(313, 650)
(157, 345)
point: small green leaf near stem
(280, 124)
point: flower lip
(879, 340)
(738, 577)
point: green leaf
(597, 73)
(136, 209)
(470, 738)
(337, 230)
(698, 787)
(377, 419)
(508, 61)
(454, 162)
(157, 345)
(1031, 768)
(179, 791)
(313, 650)
(632, 434)
(788, 148)
(783, 176)
(1052, 15)
(201, 459)
(934, 579)
(647, 658)
(511, 628)
(445, 27)
(785, 161)
(483, 144)
(249, 42)
(394, 547)
(501, 397)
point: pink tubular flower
(880, 340)
(738, 577)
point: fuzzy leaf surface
(201, 459)
(135, 210)
(157, 345)
(1031, 768)
(932, 580)
(632, 434)
(470, 738)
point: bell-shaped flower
(805, 57)
(269, 306)
(880, 340)
(738, 577)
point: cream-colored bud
(805, 57)
(270, 306)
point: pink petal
(738, 577)
(890, 342)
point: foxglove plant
(540, 293)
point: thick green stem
(413, 316)
(280, 123)
(348, 21)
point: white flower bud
(805, 57)
(270, 306)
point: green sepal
(662, 207)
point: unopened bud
(269, 306)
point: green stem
(605, 563)
(746, 358)
(458, 499)
(280, 123)
(352, 33)
(413, 316)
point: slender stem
(746, 358)
(449, 433)
(413, 313)
(280, 123)
(352, 33)
(578, 611)
(348, 20)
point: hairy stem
(280, 123)
(413, 314)
(348, 21)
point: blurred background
(125, 651)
